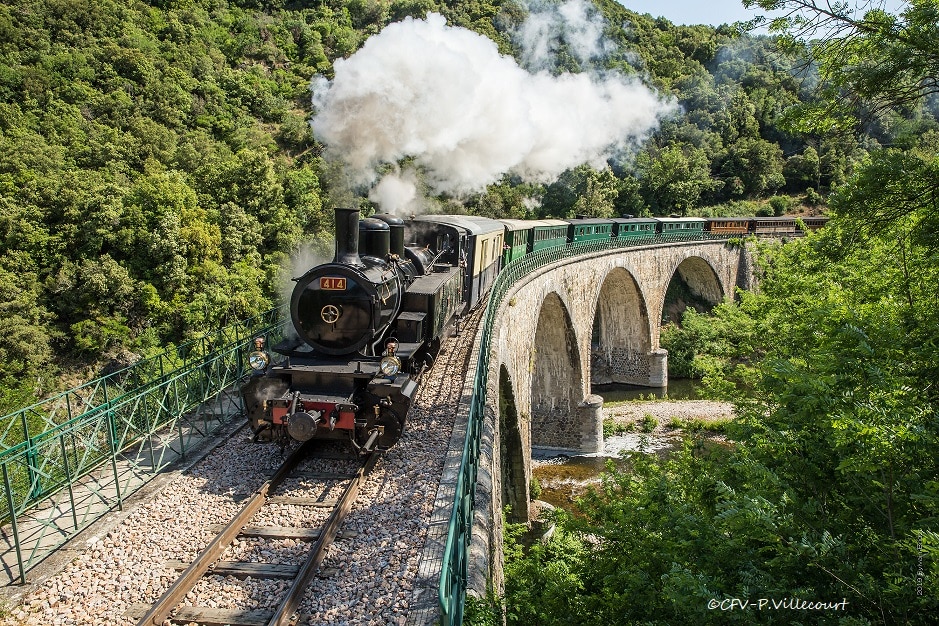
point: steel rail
(178, 590)
(286, 613)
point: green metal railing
(51, 446)
(454, 570)
(142, 415)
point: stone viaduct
(588, 320)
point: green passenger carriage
(680, 228)
(589, 229)
(547, 234)
(517, 235)
(633, 227)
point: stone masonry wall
(619, 365)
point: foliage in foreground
(830, 490)
(658, 544)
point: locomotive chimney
(347, 237)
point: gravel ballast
(369, 577)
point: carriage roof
(473, 224)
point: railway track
(383, 567)
(318, 539)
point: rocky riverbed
(664, 410)
(644, 425)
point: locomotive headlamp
(259, 359)
(390, 365)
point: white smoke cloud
(397, 193)
(310, 254)
(577, 23)
(463, 114)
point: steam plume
(464, 115)
(576, 23)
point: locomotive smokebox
(347, 237)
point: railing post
(182, 441)
(68, 478)
(16, 533)
(32, 468)
(26, 437)
(112, 436)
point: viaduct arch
(582, 321)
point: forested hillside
(157, 168)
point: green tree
(752, 167)
(25, 333)
(802, 171)
(675, 178)
(600, 190)
(869, 59)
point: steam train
(369, 323)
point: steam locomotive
(368, 325)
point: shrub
(779, 204)
(812, 197)
(612, 428)
(534, 488)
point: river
(654, 426)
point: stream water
(563, 478)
